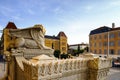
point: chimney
(113, 25)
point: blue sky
(75, 17)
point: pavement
(114, 74)
(2, 69)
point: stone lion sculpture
(32, 37)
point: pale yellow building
(58, 42)
(105, 40)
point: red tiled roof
(62, 34)
(11, 25)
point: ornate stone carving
(29, 37)
(28, 42)
(50, 68)
(34, 72)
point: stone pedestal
(99, 68)
(29, 53)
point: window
(111, 43)
(100, 44)
(95, 37)
(95, 51)
(99, 36)
(63, 39)
(111, 35)
(119, 43)
(105, 36)
(90, 50)
(94, 44)
(63, 48)
(112, 51)
(105, 51)
(91, 38)
(119, 52)
(63, 43)
(105, 43)
(118, 34)
(100, 52)
(90, 44)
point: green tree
(87, 48)
(64, 56)
(78, 48)
(81, 51)
(75, 52)
(57, 53)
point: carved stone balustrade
(72, 69)
(55, 69)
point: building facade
(75, 46)
(105, 40)
(58, 42)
